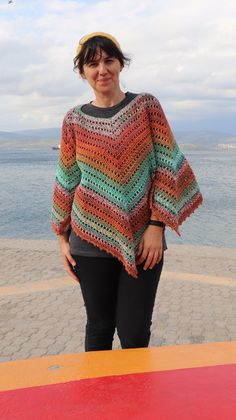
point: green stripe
(68, 178)
(124, 193)
(59, 210)
(169, 159)
(170, 203)
(90, 218)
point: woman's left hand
(150, 247)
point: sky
(182, 51)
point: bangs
(94, 49)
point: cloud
(183, 52)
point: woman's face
(102, 73)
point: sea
(27, 179)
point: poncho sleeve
(174, 193)
(68, 176)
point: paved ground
(42, 313)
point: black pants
(114, 299)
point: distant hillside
(205, 139)
(49, 137)
(45, 137)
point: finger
(69, 269)
(159, 257)
(142, 257)
(73, 275)
(148, 260)
(140, 249)
(67, 263)
(155, 260)
(70, 259)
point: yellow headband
(93, 34)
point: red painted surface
(207, 393)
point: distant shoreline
(49, 137)
(54, 147)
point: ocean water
(27, 179)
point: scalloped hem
(132, 271)
(173, 222)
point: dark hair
(88, 52)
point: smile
(104, 80)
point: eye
(109, 60)
(92, 64)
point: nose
(102, 68)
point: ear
(83, 75)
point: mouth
(103, 80)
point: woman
(121, 179)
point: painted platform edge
(71, 367)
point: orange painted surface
(74, 367)
(67, 282)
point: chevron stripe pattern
(113, 173)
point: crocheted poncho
(113, 172)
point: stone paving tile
(42, 326)
(53, 322)
(29, 265)
(25, 260)
(199, 313)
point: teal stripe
(124, 193)
(68, 178)
(138, 235)
(168, 159)
(170, 203)
(59, 210)
(90, 218)
(103, 185)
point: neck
(106, 100)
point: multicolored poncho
(114, 172)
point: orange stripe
(84, 203)
(135, 153)
(66, 368)
(162, 131)
(66, 282)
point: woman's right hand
(68, 260)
